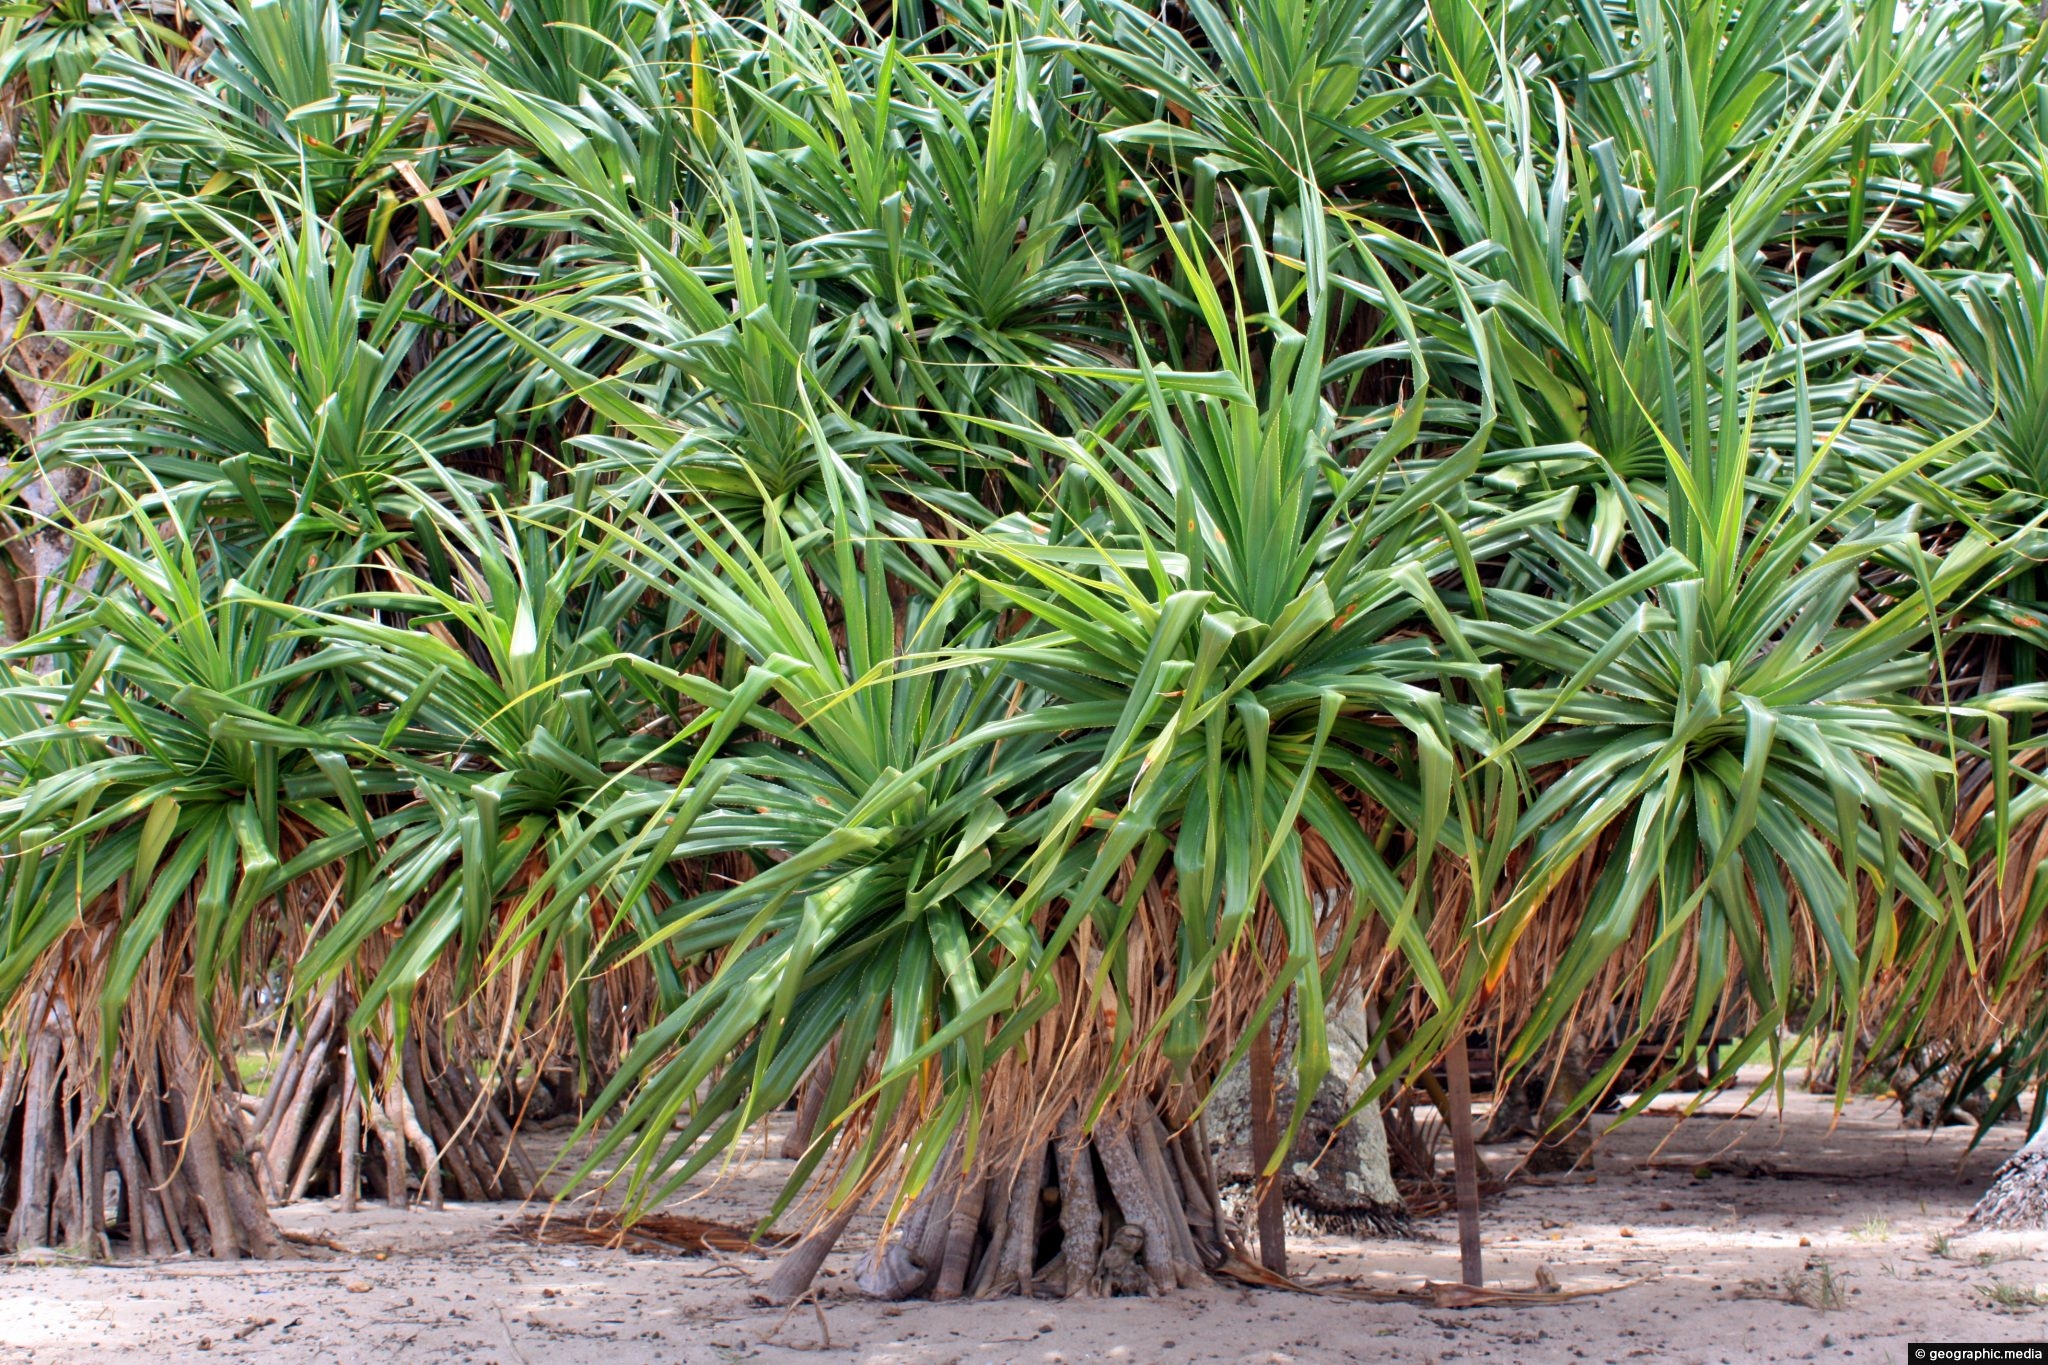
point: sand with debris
(1725, 1238)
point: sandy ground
(1697, 1269)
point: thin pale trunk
(392, 1140)
(1465, 1154)
(166, 1174)
(408, 1121)
(810, 1106)
(1265, 1141)
(316, 1147)
(351, 1139)
(300, 1074)
(287, 1067)
(69, 1212)
(147, 1229)
(1149, 1135)
(431, 1119)
(282, 1146)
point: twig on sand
(214, 1270)
(47, 1256)
(1439, 1294)
(1436, 1293)
(505, 1325)
(824, 1332)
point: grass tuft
(2014, 1297)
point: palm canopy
(976, 552)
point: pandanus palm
(1606, 262)
(48, 50)
(1962, 336)
(1744, 808)
(264, 109)
(877, 948)
(551, 770)
(948, 564)
(171, 814)
(1963, 352)
(1205, 634)
(297, 393)
(1266, 93)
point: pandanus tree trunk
(1338, 1175)
(35, 542)
(1130, 1207)
(160, 1156)
(158, 1161)
(434, 1126)
(2018, 1198)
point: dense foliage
(986, 547)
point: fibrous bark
(1080, 1213)
(2018, 1198)
(1338, 1174)
(1265, 1125)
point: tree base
(2018, 1198)
(1131, 1208)
(157, 1164)
(1305, 1219)
(166, 1159)
(432, 1121)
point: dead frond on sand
(671, 1233)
